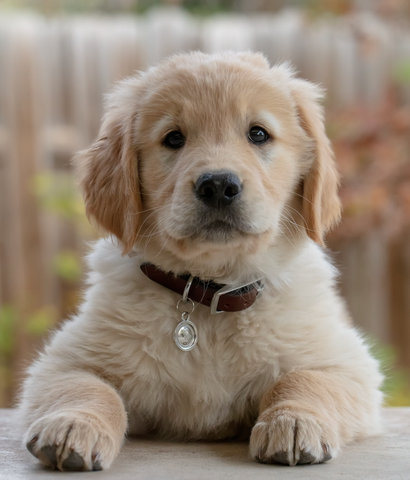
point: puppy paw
(290, 438)
(71, 441)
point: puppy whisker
(150, 209)
(303, 218)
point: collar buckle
(230, 288)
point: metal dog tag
(185, 334)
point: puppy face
(210, 157)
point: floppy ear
(255, 59)
(321, 204)
(108, 177)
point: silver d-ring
(185, 306)
(186, 289)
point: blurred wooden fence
(53, 74)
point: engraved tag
(185, 335)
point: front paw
(291, 437)
(71, 441)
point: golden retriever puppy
(211, 311)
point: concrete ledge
(386, 457)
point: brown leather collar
(221, 298)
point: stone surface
(386, 457)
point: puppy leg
(75, 421)
(307, 416)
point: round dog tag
(185, 335)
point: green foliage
(7, 323)
(402, 73)
(116, 6)
(196, 7)
(396, 386)
(41, 321)
(209, 7)
(58, 194)
(67, 265)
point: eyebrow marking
(161, 126)
(270, 121)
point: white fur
(125, 328)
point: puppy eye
(174, 139)
(258, 135)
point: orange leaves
(372, 148)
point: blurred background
(59, 57)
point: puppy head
(209, 157)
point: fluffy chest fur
(135, 326)
(127, 324)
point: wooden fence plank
(54, 73)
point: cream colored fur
(291, 368)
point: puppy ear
(108, 177)
(255, 59)
(321, 204)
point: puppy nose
(218, 189)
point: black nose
(218, 189)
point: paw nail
(95, 457)
(305, 458)
(281, 457)
(74, 462)
(327, 456)
(30, 444)
(50, 453)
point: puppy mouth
(215, 226)
(217, 231)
